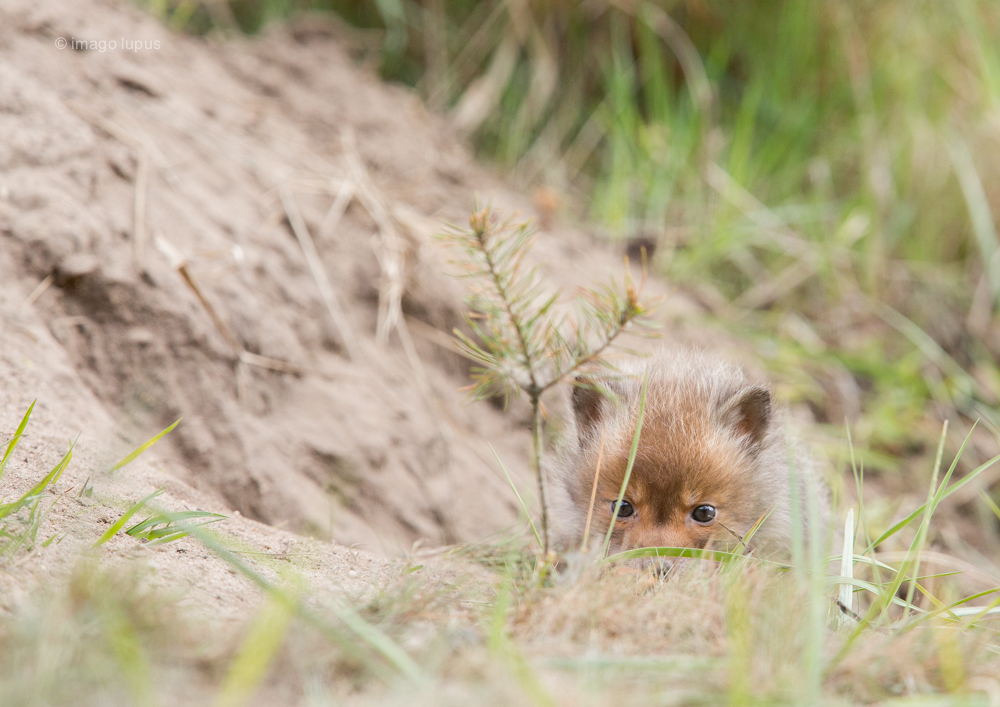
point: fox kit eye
(624, 510)
(704, 514)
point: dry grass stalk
(39, 290)
(301, 232)
(104, 125)
(179, 263)
(483, 94)
(771, 289)
(784, 237)
(435, 21)
(695, 76)
(345, 193)
(390, 250)
(139, 209)
(437, 337)
(593, 494)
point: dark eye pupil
(703, 514)
(624, 510)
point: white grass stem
(846, 598)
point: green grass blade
(159, 536)
(628, 469)
(835, 579)
(142, 448)
(169, 537)
(12, 444)
(990, 503)
(977, 612)
(249, 667)
(369, 634)
(895, 528)
(133, 662)
(50, 478)
(933, 498)
(918, 540)
(174, 526)
(120, 523)
(170, 518)
(950, 608)
(760, 521)
(979, 209)
(519, 500)
(864, 559)
(684, 552)
(939, 494)
(967, 479)
(382, 643)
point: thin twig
(739, 538)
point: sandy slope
(116, 166)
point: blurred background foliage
(822, 175)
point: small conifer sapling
(522, 340)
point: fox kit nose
(663, 568)
(660, 566)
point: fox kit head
(710, 460)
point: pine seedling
(522, 340)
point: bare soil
(150, 271)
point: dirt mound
(240, 234)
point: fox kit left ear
(588, 406)
(748, 413)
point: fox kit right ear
(588, 406)
(748, 413)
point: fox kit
(712, 459)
